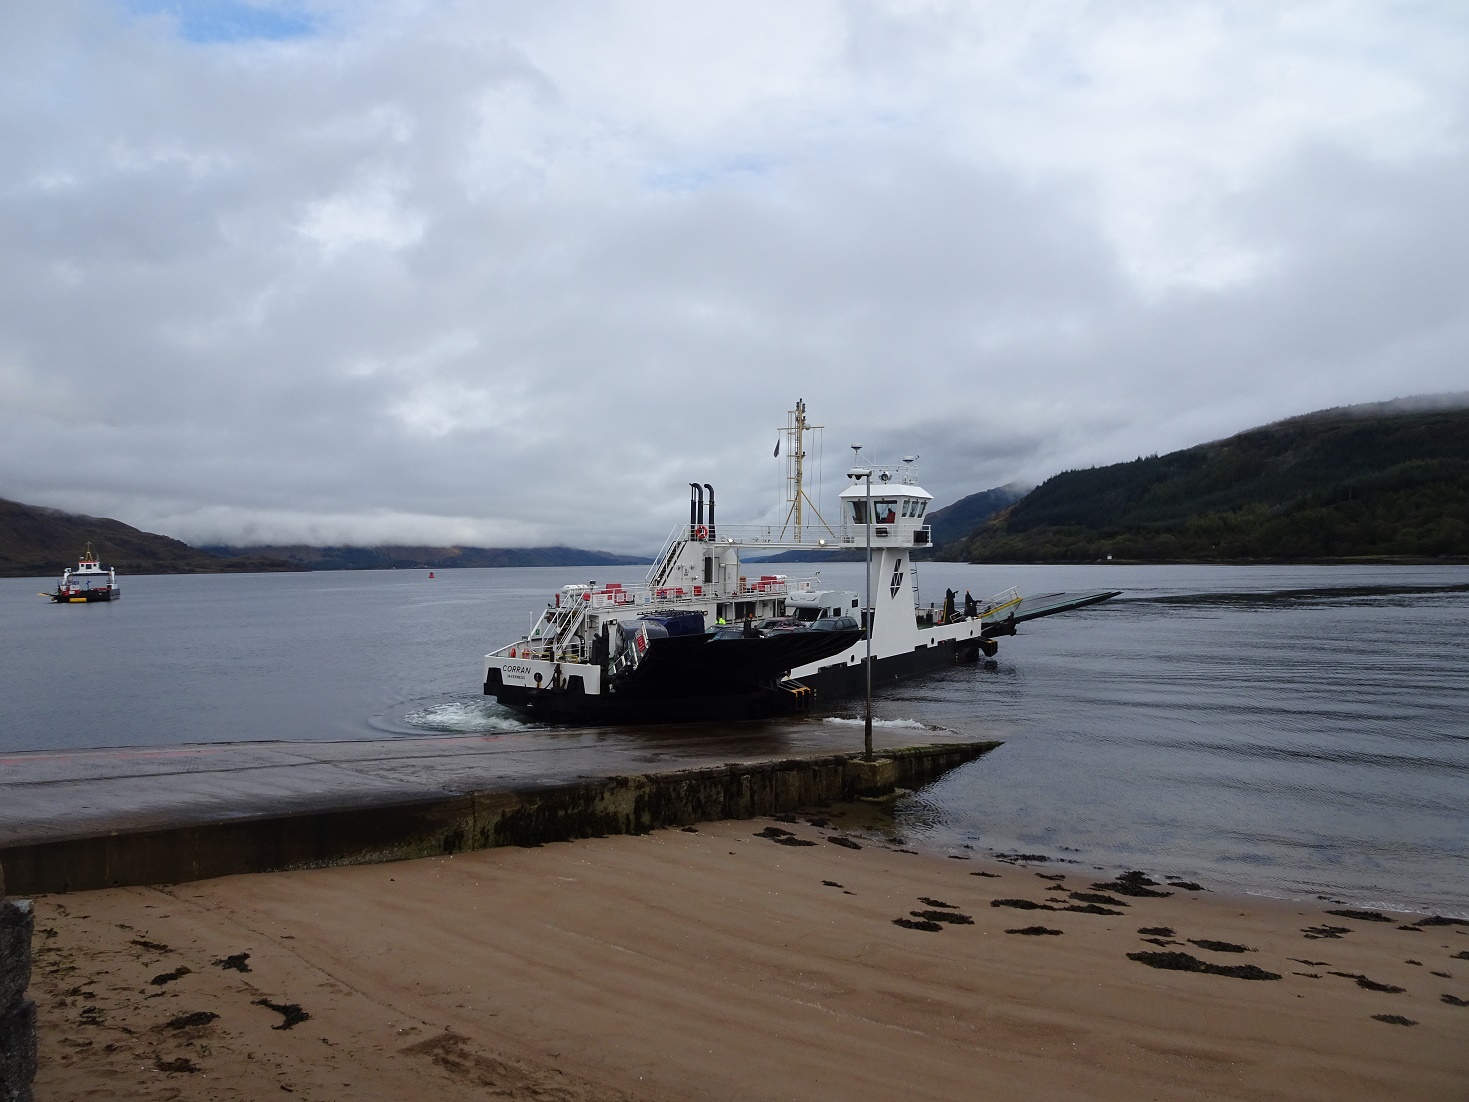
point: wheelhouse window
(859, 511)
(885, 511)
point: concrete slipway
(78, 820)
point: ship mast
(795, 432)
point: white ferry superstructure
(705, 638)
(90, 581)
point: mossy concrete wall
(17, 1013)
(393, 832)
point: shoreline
(736, 959)
(1084, 863)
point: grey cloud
(411, 279)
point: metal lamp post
(866, 473)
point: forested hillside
(1357, 482)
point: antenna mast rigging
(795, 432)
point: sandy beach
(737, 962)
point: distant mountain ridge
(39, 542)
(955, 521)
(430, 558)
(1387, 480)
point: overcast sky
(511, 274)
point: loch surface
(1288, 730)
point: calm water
(1288, 730)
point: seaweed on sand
(1021, 904)
(1220, 946)
(918, 924)
(1098, 898)
(291, 1013)
(952, 917)
(191, 1021)
(1370, 985)
(1131, 887)
(1186, 962)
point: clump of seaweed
(772, 832)
(1186, 962)
(1090, 909)
(1157, 931)
(1034, 931)
(1316, 933)
(845, 843)
(1360, 916)
(1453, 1001)
(178, 1063)
(291, 1013)
(1393, 1019)
(151, 946)
(1099, 898)
(1370, 985)
(1220, 946)
(793, 842)
(191, 1021)
(168, 977)
(1135, 888)
(1440, 920)
(1021, 904)
(952, 917)
(234, 962)
(936, 903)
(918, 924)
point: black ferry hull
(85, 596)
(687, 679)
(680, 689)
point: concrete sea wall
(17, 1013)
(390, 832)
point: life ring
(701, 533)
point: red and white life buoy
(701, 533)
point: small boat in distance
(90, 581)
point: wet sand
(727, 963)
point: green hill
(956, 521)
(1381, 481)
(38, 542)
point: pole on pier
(857, 472)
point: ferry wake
(702, 639)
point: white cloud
(535, 267)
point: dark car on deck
(835, 623)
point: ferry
(705, 637)
(90, 581)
